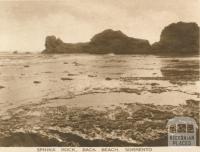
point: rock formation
(108, 41)
(56, 45)
(178, 38)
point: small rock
(36, 82)
(70, 74)
(26, 66)
(92, 75)
(1, 87)
(48, 72)
(66, 79)
(108, 78)
(175, 60)
(154, 84)
(65, 63)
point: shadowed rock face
(108, 41)
(179, 38)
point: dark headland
(176, 38)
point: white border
(100, 149)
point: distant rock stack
(179, 38)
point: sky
(25, 24)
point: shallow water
(31, 84)
(30, 78)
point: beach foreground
(94, 100)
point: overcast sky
(25, 24)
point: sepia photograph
(99, 73)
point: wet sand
(94, 100)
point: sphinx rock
(108, 41)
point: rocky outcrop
(56, 45)
(178, 38)
(108, 41)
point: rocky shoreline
(128, 124)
